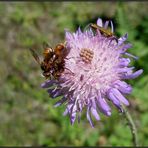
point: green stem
(131, 125)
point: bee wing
(46, 45)
(35, 55)
(95, 28)
(87, 27)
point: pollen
(86, 55)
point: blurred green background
(27, 115)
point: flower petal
(123, 48)
(122, 39)
(55, 93)
(123, 87)
(99, 22)
(74, 110)
(73, 114)
(124, 62)
(133, 75)
(65, 112)
(61, 101)
(130, 55)
(94, 110)
(106, 24)
(125, 69)
(115, 101)
(112, 27)
(103, 106)
(89, 117)
(119, 96)
(48, 83)
(68, 35)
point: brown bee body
(53, 62)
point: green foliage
(27, 115)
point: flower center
(86, 55)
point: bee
(103, 31)
(53, 61)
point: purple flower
(95, 70)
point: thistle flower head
(95, 70)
